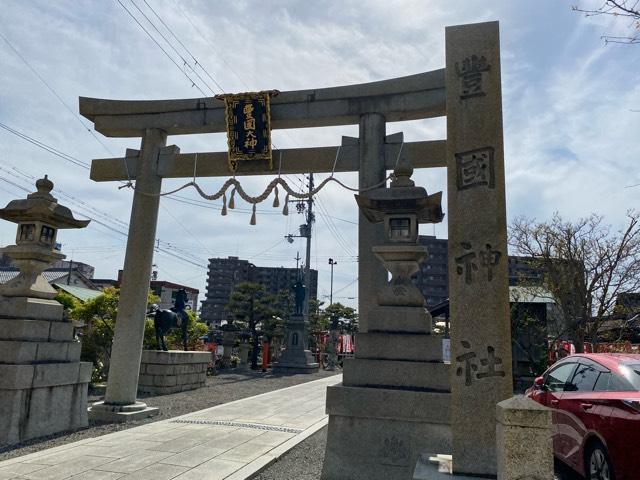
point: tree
(68, 301)
(346, 316)
(318, 321)
(99, 315)
(281, 306)
(585, 266)
(529, 330)
(250, 304)
(618, 8)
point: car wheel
(597, 463)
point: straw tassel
(224, 204)
(285, 210)
(253, 216)
(276, 201)
(232, 203)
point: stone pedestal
(244, 355)
(43, 384)
(393, 403)
(297, 358)
(524, 442)
(174, 371)
(228, 341)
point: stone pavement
(231, 441)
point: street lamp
(332, 262)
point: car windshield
(631, 373)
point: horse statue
(165, 320)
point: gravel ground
(225, 387)
(302, 462)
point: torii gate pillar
(120, 398)
(371, 274)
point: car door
(553, 388)
(583, 410)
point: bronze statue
(299, 292)
(166, 320)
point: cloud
(569, 135)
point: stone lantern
(393, 403)
(39, 217)
(43, 383)
(401, 207)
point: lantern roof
(41, 206)
(402, 196)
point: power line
(196, 62)
(206, 249)
(345, 287)
(46, 147)
(71, 197)
(213, 47)
(260, 254)
(333, 229)
(329, 222)
(71, 111)
(184, 61)
(193, 83)
(189, 52)
(166, 248)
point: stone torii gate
(467, 92)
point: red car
(596, 413)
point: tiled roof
(6, 275)
(49, 276)
(82, 294)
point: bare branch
(616, 8)
(585, 264)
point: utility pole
(307, 271)
(332, 262)
(297, 259)
(305, 232)
(70, 270)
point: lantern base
(28, 285)
(32, 260)
(30, 308)
(402, 261)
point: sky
(571, 113)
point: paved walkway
(230, 441)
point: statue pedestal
(162, 373)
(297, 358)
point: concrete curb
(261, 463)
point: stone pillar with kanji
(478, 274)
